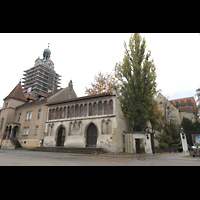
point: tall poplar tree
(137, 80)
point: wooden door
(91, 139)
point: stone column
(184, 144)
(148, 149)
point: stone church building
(89, 121)
(40, 114)
(63, 119)
(31, 118)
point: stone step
(86, 150)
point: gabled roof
(17, 93)
(185, 104)
(81, 98)
(62, 95)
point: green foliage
(188, 125)
(136, 74)
(164, 140)
(170, 137)
(172, 130)
(197, 144)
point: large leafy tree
(102, 83)
(137, 81)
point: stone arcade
(90, 121)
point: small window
(19, 117)
(24, 132)
(27, 130)
(36, 130)
(6, 105)
(39, 113)
(28, 115)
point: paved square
(31, 158)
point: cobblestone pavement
(31, 158)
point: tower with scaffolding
(41, 78)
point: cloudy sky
(78, 57)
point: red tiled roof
(43, 94)
(17, 93)
(30, 97)
(185, 104)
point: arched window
(95, 108)
(81, 111)
(72, 112)
(68, 112)
(61, 111)
(64, 112)
(77, 110)
(53, 114)
(100, 108)
(85, 110)
(57, 113)
(90, 109)
(110, 107)
(106, 108)
(50, 114)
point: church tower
(41, 78)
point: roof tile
(17, 93)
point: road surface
(32, 158)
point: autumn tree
(137, 81)
(102, 83)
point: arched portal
(60, 136)
(91, 138)
(15, 131)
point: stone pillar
(184, 144)
(148, 149)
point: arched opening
(60, 136)
(100, 108)
(5, 133)
(91, 137)
(110, 107)
(15, 131)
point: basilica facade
(63, 119)
(89, 121)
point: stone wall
(106, 116)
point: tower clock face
(50, 64)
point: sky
(80, 56)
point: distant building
(187, 108)
(22, 117)
(41, 78)
(174, 110)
